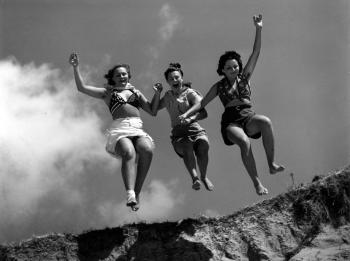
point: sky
(55, 175)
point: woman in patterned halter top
(239, 122)
(126, 138)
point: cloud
(170, 21)
(48, 139)
(211, 213)
(158, 202)
(53, 162)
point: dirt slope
(311, 222)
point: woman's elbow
(80, 88)
(205, 115)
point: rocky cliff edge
(309, 222)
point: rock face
(307, 223)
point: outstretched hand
(158, 87)
(258, 21)
(74, 59)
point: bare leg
(126, 150)
(237, 135)
(144, 148)
(186, 150)
(201, 151)
(260, 123)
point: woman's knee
(201, 148)
(125, 149)
(264, 122)
(145, 147)
(127, 153)
(244, 144)
(238, 136)
(186, 148)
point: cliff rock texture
(310, 222)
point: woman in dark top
(239, 121)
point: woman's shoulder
(167, 95)
(220, 84)
(193, 92)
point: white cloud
(53, 162)
(170, 20)
(211, 213)
(48, 139)
(158, 202)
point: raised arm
(211, 94)
(153, 107)
(92, 91)
(249, 68)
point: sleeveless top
(177, 105)
(227, 93)
(117, 100)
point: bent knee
(145, 148)
(201, 147)
(186, 149)
(244, 143)
(264, 121)
(127, 154)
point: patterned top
(227, 93)
(117, 100)
(177, 105)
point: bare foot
(274, 168)
(207, 183)
(196, 185)
(137, 205)
(131, 199)
(261, 190)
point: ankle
(130, 193)
(194, 178)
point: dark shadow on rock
(97, 245)
(174, 250)
(160, 241)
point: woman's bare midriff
(126, 111)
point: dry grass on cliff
(290, 222)
(326, 200)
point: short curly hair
(172, 68)
(229, 55)
(110, 74)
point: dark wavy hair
(110, 73)
(176, 67)
(229, 55)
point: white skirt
(122, 128)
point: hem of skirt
(114, 154)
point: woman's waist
(191, 128)
(126, 111)
(234, 103)
(126, 123)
